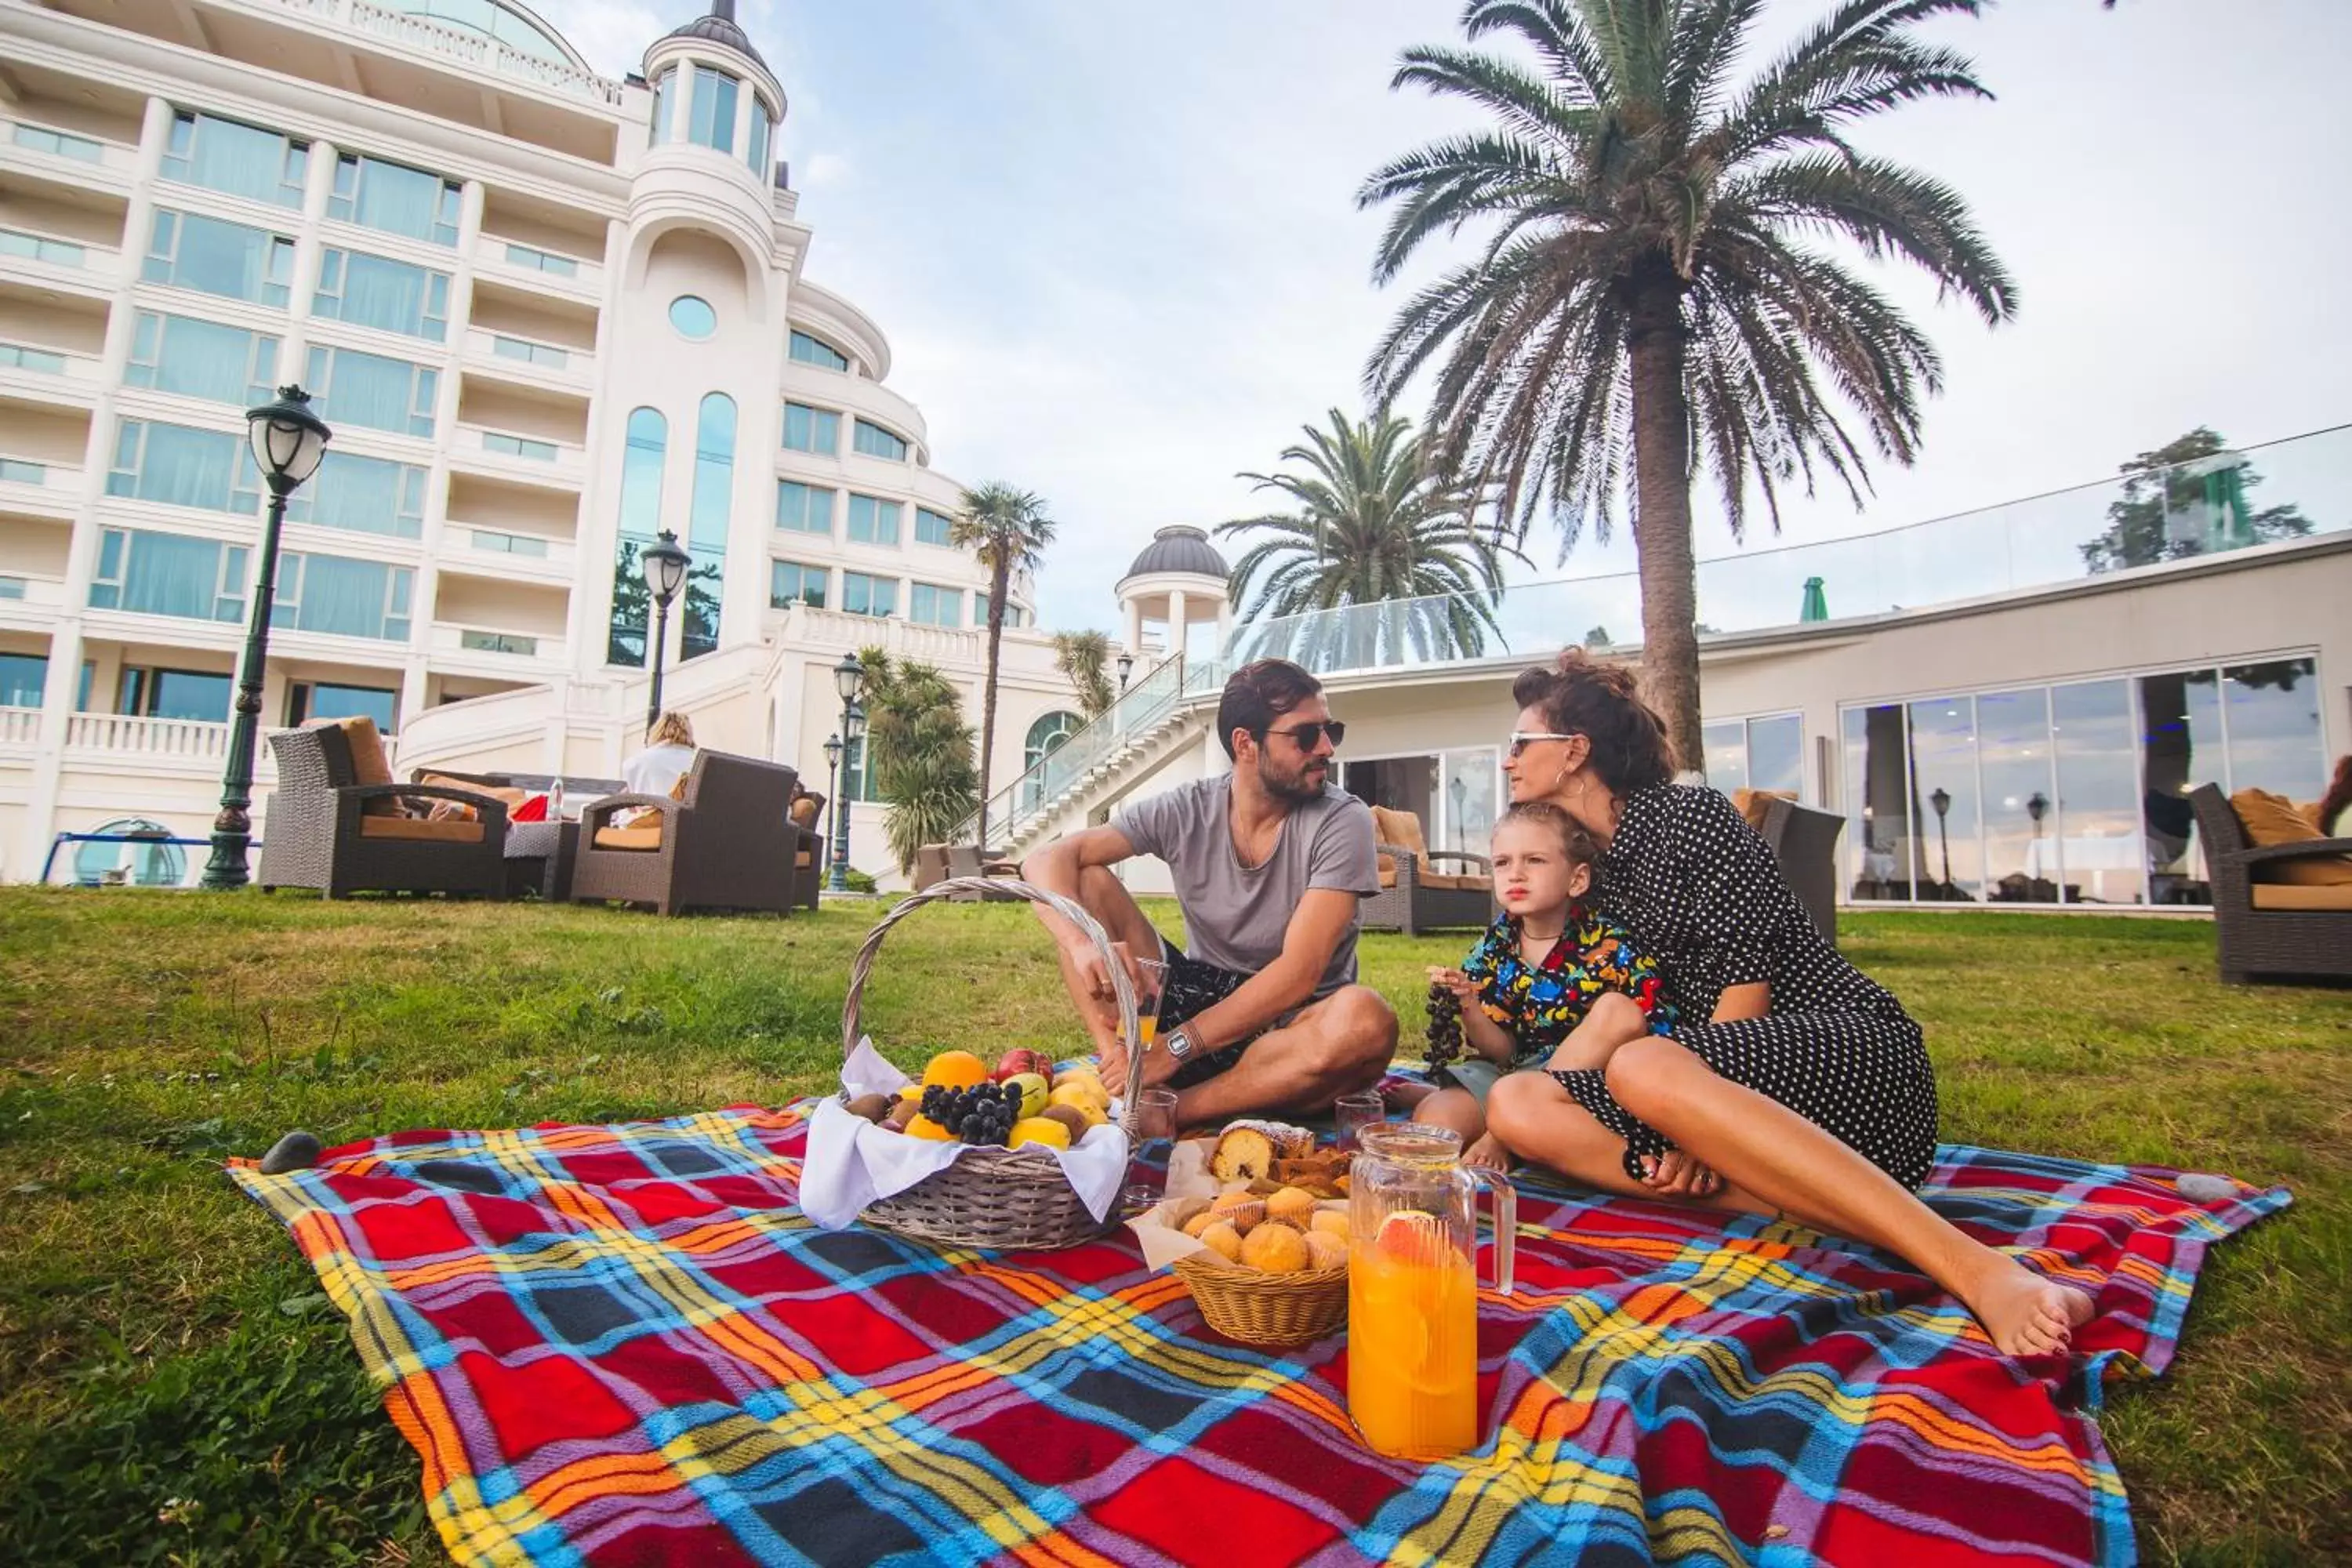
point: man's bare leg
(1337, 1045)
(1106, 898)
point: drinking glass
(1155, 1139)
(1352, 1114)
(1151, 975)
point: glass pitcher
(1412, 1290)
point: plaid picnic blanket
(626, 1345)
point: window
(641, 486)
(395, 199)
(705, 523)
(307, 700)
(530, 353)
(23, 675)
(180, 466)
(1013, 617)
(202, 359)
(17, 356)
(186, 694)
(693, 317)
(804, 508)
(935, 607)
(40, 139)
(187, 250)
(375, 292)
(509, 543)
(34, 248)
(16, 472)
(473, 641)
(790, 584)
(872, 521)
(169, 574)
(933, 528)
(809, 429)
(519, 447)
(12, 588)
(761, 128)
(816, 351)
(362, 495)
(538, 260)
(864, 596)
(336, 594)
(875, 442)
(711, 120)
(370, 390)
(242, 160)
(1047, 734)
(664, 85)
(1757, 754)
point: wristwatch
(1179, 1042)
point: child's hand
(1464, 989)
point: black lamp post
(288, 441)
(848, 679)
(2037, 807)
(1942, 801)
(832, 749)
(665, 566)
(1125, 667)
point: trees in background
(920, 747)
(2183, 498)
(1007, 528)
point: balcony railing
(527, 456)
(2231, 501)
(122, 734)
(67, 152)
(20, 726)
(470, 48)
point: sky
(1116, 247)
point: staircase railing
(1041, 787)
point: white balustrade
(470, 48)
(19, 726)
(122, 734)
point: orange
(924, 1127)
(955, 1069)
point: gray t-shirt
(1235, 915)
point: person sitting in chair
(1264, 1013)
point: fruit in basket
(1223, 1240)
(894, 1122)
(1325, 1250)
(1038, 1130)
(1274, 1248)
(909, 1095)
(924, 1127)
(1085, 1096)
(1082, 1073)
(1017, 1061)
(954, 1069)
(1069, 1117)
(979, 1113)
(1032, 1091)
(871, 1107)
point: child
(1552, 984)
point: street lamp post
(665, 566)
(1125, 667)
(848, 680)
(832, 750)
(1942, 801)
(288, 441)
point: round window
(693, 317)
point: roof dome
(719, 27)
(1180, 547)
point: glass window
(711, 112)
(508, 543)
(16, 472)
(530, 353)
(307, 700)
(1943, 798)
(761, 128)
(362, 495)
(2103, 853)
(1726, 754)
(474, 641)
(1013, 617)
(933, 527)
(641, 486)
(182, 467)
(804, 508)
(242, 160)
(169, 574)
(1469, 781)
(2181, 748)
(188, 694)
(2272, 713)
(519, 447)
(17, 356)
(693, 317)
(396, 199)
(875, 442)
(12, 587)
(1775, 754)
(865, 595)
(65, 145)
(188, 250)
(34, 248)
(817, 351)
(2021, 848)
(873, 520)
(539, 260)
(664, 94)
(809, 429)
(1046, 734)
(370, 390)
(935, 607)
(1878, 835)
(22, 678)
(705, 523)
(335, 594)
(375, 292)
(790, 582)
(202, 359)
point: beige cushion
(2286, 896)
(807, 858)
(1402, 828)
(647, 837)
(677, 790)
(512, 797)
(448, 832)
(368, 764)
(803, 811)
(1756, 804)
(2273, 819)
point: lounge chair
(336, 822)
(726, 842)
(2262, 922)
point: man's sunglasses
(1522, 739)
(1310, 736)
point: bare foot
(1489, 1154)
(2024, 1314)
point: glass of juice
(1151, 986)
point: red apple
(1021, 1061)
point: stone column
(1176, 612)
(1135, 627)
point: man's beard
(1295, 787)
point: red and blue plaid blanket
(626, 1345)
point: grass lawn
(172, 1388)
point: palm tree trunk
(1662, 516)
(1000, 572)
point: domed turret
(719, 27)
(1178, 575)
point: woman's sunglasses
(1310, 736)
(1522, 739)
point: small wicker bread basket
(1009, 1199)
(1270, 1310)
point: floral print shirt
(1541, 1003)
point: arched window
(1047, 734)
(641, 484)
(127, 860)
(705, 523)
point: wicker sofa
(1804, 841)
(1416, 897)
(338, 822)
(726, 842)
(2263, 924)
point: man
(1263, 1015)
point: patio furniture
(969, 862)
(336, 822)
(1804, 841)
(930, 865)
(807, 814)
(539, 859)
(2264, 922)
(725, 843)
(1412, 897)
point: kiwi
(872, 1107)
(1068, 1116)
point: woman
(669, 754)
(1795, 1084)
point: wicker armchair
(806, 816)
(1804, 841)
(969, 861)
(726, 842)
(320, 833)
(2266, 927)
(1413, 898)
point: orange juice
(1412, 1341)
(1146, 1028)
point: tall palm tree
(1374, 526)
(1084, 658)
(1009, 530)
(919, 748)
(1651, 296)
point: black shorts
(1194, 987)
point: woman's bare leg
(1792, 1165)
(1542, 1124)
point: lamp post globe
(288, 441)
(849, 679)
(1941, 800)
(1126, 667)
(664, 564)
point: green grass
(173, 1389)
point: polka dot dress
(1699, 888)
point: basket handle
(863, 965)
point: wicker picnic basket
(998, 1198)
(1273, 1310)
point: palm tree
(920, 750)
(1374, 526)
(1651, 297)
(1009, 530)
(1084, 658)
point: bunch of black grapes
(1445, 1026)
(984, 1113)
